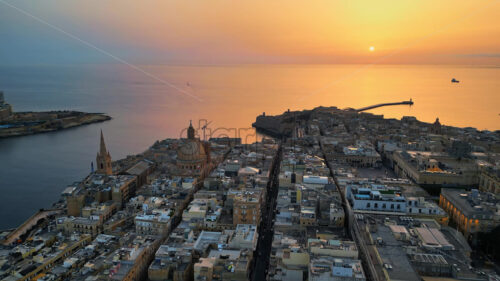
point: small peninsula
(13, 124)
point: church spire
(103, 159)
(102, 148)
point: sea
(154, 102)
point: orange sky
(329, 31)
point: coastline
(30, 123)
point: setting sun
(254, 125)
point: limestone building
(473, 211)
(435, 168)
(247, 206)
(489, 180)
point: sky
(256, 31)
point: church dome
(191, 151)
(192, 155)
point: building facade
(427, 168)
(246, 211)
(489, 181)
(472, 211)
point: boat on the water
(453, 80)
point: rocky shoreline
(29, 123)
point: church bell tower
(190, 131)
(103, 159)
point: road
(29, 224)
(353, 229)
(266, 229)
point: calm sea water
(35, 169)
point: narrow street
(266, 229)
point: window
(368, 205)
(384, 206)
(392, 206)
(376, 205)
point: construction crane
(409, 102)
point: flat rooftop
(393, 254)
(464, 201)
